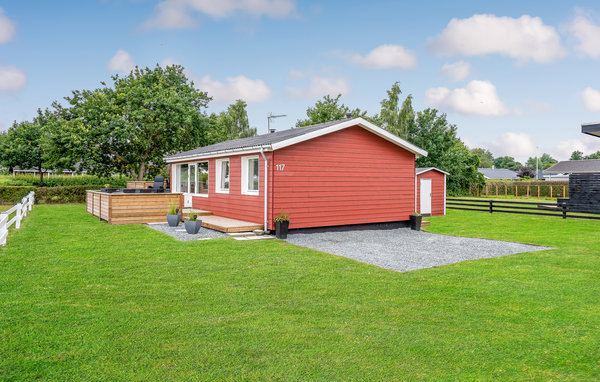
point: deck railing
(20, 211)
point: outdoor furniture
(159, 182)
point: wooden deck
(228, 225)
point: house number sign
(279, 167)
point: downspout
(415, 186)
(262, 153)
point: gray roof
(575, 166)
(498, 173)
(257, 141)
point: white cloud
(457, 71)
(585, 144)
(177, 14)
(8, 28)
(11, 78)
(121, 61)
(524, 38)
(296, 75)
(591, 99)
(387, 56)
(321, 86)
(478, 98)
(587, 35)
(234, 88)
(517, 145)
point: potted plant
(192, 224)
(173, 217)
(415, 221)
(282, 223)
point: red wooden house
(343, 172)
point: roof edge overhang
(353, 122)
(431, 168)
(221, 153)
(592, 129)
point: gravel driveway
(403, 249)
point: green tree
(576, 155)
(486, 158)
(395, 119)
(446, 151)
(507, 162)
(144, 116)
(328, 109)
(231, 124)
(595, 155)
(543, 162)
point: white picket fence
(21, 211)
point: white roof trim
(432, 168)
(353, 122)
(222, 153)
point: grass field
(81, 300)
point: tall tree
(486, 158)
(328, 109)
(508, 163)
(595, 155)
(543, 162)
(393, 117)
(446, 151)
(576, 155)
(231, 124)
(144, 116)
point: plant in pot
(173, 217)
(282, 223)
(192, 224)
(415, 221)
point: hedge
(55, 181)
(46, 195)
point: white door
(425, 197)
(190, 186)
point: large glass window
(222, 175)
(250, 175)
(183, 178)
(192, 172)
(203, 178)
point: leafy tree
(446, 151)
(23, 145)
(543, 162)
(133, 124)
(328, 109)
(486, 158)
(507, 162)
(576, 155)
(595, 155)
(394, 118)
(526, 172)
(231, 124)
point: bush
(55, 181)
(46, 195)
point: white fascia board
(432, 168)
(353, 122)
(218, 154)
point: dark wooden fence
(516, 207)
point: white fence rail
(20, 210)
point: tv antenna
(270, 117)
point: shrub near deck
(81, 300)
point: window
(250, 166)
(191, 178)
(202, 177)
(183, 178)
(222, 185)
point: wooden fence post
(528, 190)
(19, 216)
(486, 190)
(505, 191)
(564, 192)
(538, 191)
(550, 191)
(491, 206)
(564, 211)
(516, 191)
(496, 190)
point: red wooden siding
(233, 205)
(347, 177)
(437, 191)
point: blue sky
(515, 77)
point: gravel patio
(402, 249)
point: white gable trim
(217, 154)
(353, 122)
(432, 168)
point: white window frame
(177, 180)
(198, 182)
(245, 169)
(218, 167)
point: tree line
(131, 124)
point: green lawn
(81, 300)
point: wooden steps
(227, 225)
(187, 211)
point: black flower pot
(193, 226)
(281, 229)
(173, 220)
(415, 222)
